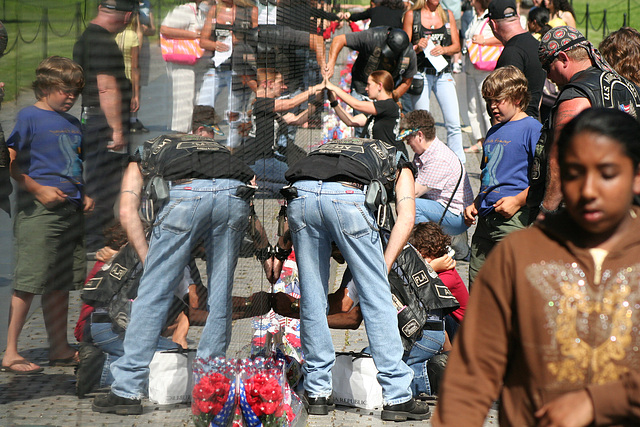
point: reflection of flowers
(209, 396)
(264, 395)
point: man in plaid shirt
(440, 175)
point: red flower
(210, 394)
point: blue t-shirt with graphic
(49, 149)
(508, 154)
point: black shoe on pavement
(112, 404)
(138, 127)
(409, 410)
(318, 405)
(89, 369)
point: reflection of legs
(55, 308)
(183, 83)
(478, 118)
(445, 91)
(228, 220)
(238, 107)
(20, 304)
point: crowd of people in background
(552, 321)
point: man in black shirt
(520, 49)
(106, 100)
(381, 48)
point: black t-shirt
(365, 43)
(384, 124)
(521, 51)
(267, 126)
(97, 52)
(204, 165)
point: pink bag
(484, 57)
(181, 51)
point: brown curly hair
(429, 239)
(621, 49)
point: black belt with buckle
(100, 318)
(357, 185)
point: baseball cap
(501, 9)
(122, 5)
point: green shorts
(49, 244)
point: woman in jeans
(428, 21)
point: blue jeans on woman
(444, 87)
(112, 345)
(428, 210)
(205, 209)
(417, 358)
(329, 211)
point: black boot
(89, 371)
(112, 404)
(409, 410)
(318, 405)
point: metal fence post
(586, 23)
(604, 23)
(45, 32)
(78, 19)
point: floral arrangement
(245, 392)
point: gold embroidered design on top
(591, 326)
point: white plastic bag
(354, 381)
(170, 379)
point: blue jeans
(324, 212)
(428, 210)
(111, 344)
(444, 87)
(205, 209)
(213, 83)
(417, 358)
(270, 173)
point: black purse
(417, 85)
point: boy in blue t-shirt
(46, 161)
(507, 155)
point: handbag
(181, 51)
(354, 381)
(170, 378)
(483, 57)
(417, 85)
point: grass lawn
(68, 18)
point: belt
(433, 72)
(100, 318)
(434, 326)
(181, 181)
(92, 111)
(357, 185)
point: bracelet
(265, 253)
(281, 254)
(548, 211)
(334, 104)
(295, 306)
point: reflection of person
(207, 201)
(185, 21)
(265, 151)
(550, 330)
(106, 102)
(429, 22)
(382, 13)
(380, 116)
(330, 206)
(46, 161)
(585, 80)
(478, 32)
(507, 156)
(226, 25)
(442, 182)
(381, 48)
